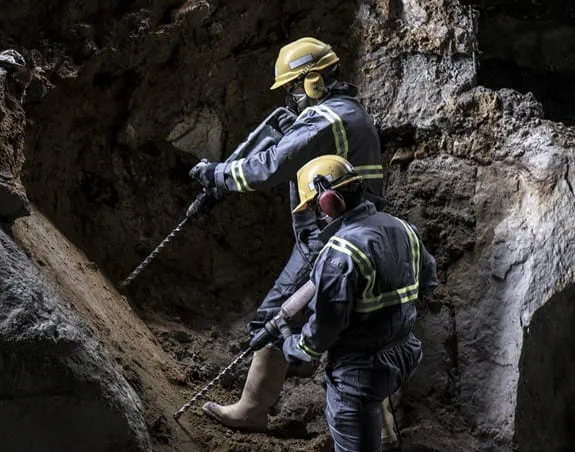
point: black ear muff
(331, 203)
(314, 86)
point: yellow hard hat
(300, 57)
(337, 170)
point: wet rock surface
(142, 90)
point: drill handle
(278, 327)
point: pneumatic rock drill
(273, 330)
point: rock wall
(528, 46)
(491, 187)
(13, 200)
(58, 388)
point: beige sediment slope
(158, 379)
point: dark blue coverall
(368, 276)
(337, 125)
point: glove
(204, 173)
(285, 121)
(263, 315)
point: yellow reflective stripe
(394, 294)
(414, 248)
(365, 267)
(235, 175)
(239, 176)
(361, 168)
(384, 304)
(340, 137)
(242, 175)
(370, 302)
(392, 298)
(307, 350)
(370, 171)
(366, 264)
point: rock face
(492, 190)
(526, 46)
(58, 390)
(13, 200)
(144, 90)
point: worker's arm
(311, 135)
(428, 268)
(335, 279)
(428, 272)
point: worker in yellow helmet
(369, 274)
(330, 120)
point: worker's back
(390, 258)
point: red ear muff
(331, 203)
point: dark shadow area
(54, 423)
(530, 46)
(545, 414)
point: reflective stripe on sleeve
(239, 176)
(307, 350)
(361, 260)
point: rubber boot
(389, 441)
(262, 389)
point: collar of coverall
(340, 89)
(345, 88)
(362, 210)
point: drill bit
(206, 388)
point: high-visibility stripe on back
(369, 301)
(370, 171)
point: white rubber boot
(389, 441)
(262, 389)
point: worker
(330, 121)
(368, 276)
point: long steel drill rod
(209, 386)
(205, 199)
(153, 254)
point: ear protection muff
(329, 201)
(314, 85)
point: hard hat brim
(326, 61)
(277, 85)
(300, 207)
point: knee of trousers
(354, 423)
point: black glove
(204, 173)
(285, 121)
(263, 315)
